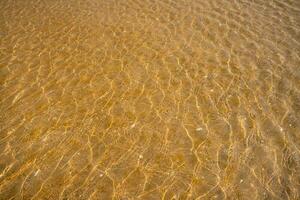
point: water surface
(152, 99)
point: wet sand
(154, 99)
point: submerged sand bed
(155, 99)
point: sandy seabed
(152, 99)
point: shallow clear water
(154, 99)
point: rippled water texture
(149, 99)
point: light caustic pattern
(152, 99)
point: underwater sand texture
(149, 99)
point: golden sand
(149, 99)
